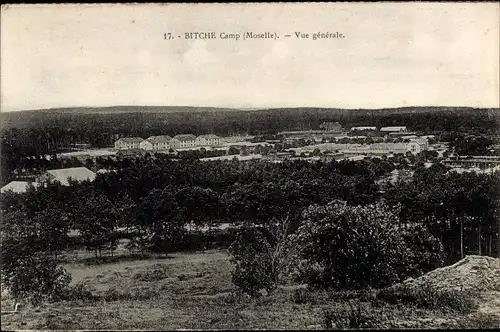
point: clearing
(194, 291)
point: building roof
(159, 139)
(104, 171)
(185, 137)
(87, 153)
(17, 187)
(131, 139)
(364, 128)
(396, 128)
(75, 173)
(236, 156)
(209, 136)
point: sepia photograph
(250, 166)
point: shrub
(303, 295)
(29, 268)
(153, 273)
(426, 251)
(249, 254)
(36, 277)
(428, 297)
(357, 247)
(351, 316)
(263, 257)
(79, 292)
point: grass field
(194, 291)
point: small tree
(356, 247)
(159, 220)
(96, 219)
(263, 257)
(29, 270)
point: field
(194, 291)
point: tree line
(151, 200)
(26, 134)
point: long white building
(156, 143)
(208, 140)
(128, 143)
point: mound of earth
(472, 273)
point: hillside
(194, 291)
(237, 120)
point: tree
(54, 228)
(197, 204)
(96, 219)
(263, 257)
(29, 270)
(233, 151)
(316, 152)
(353, 247)
(159, 219)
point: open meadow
(193, 290)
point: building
(156, 143)
(316, 135)
(234, 157)
(78, 146)
(363, 128)
(64, 175)
(234, 139)
(351, 149)
(183, 141)
(87, 154)
(128, 143)
(105, 171)
(416, 147)
(481, 162)
(208, 140)
(18, 187)
(401, 129)
(410, 137)
(331, 126)
(279, 156)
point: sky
(393, 54)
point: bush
(351, 316)
(249, 254)
(426, 251)
(153, 273)
(358, 247)
(428, 297)
(303, 295)
(232, 298)
(318, 296)
(35, 278)
(79, 292)
(263, 257)
(30, 269)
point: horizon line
(254, 108)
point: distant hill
(179, 109)
(152, 120)
(131, 109)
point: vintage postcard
(250, 166)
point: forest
(312, 216)
(154, 199)
(35, 134)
